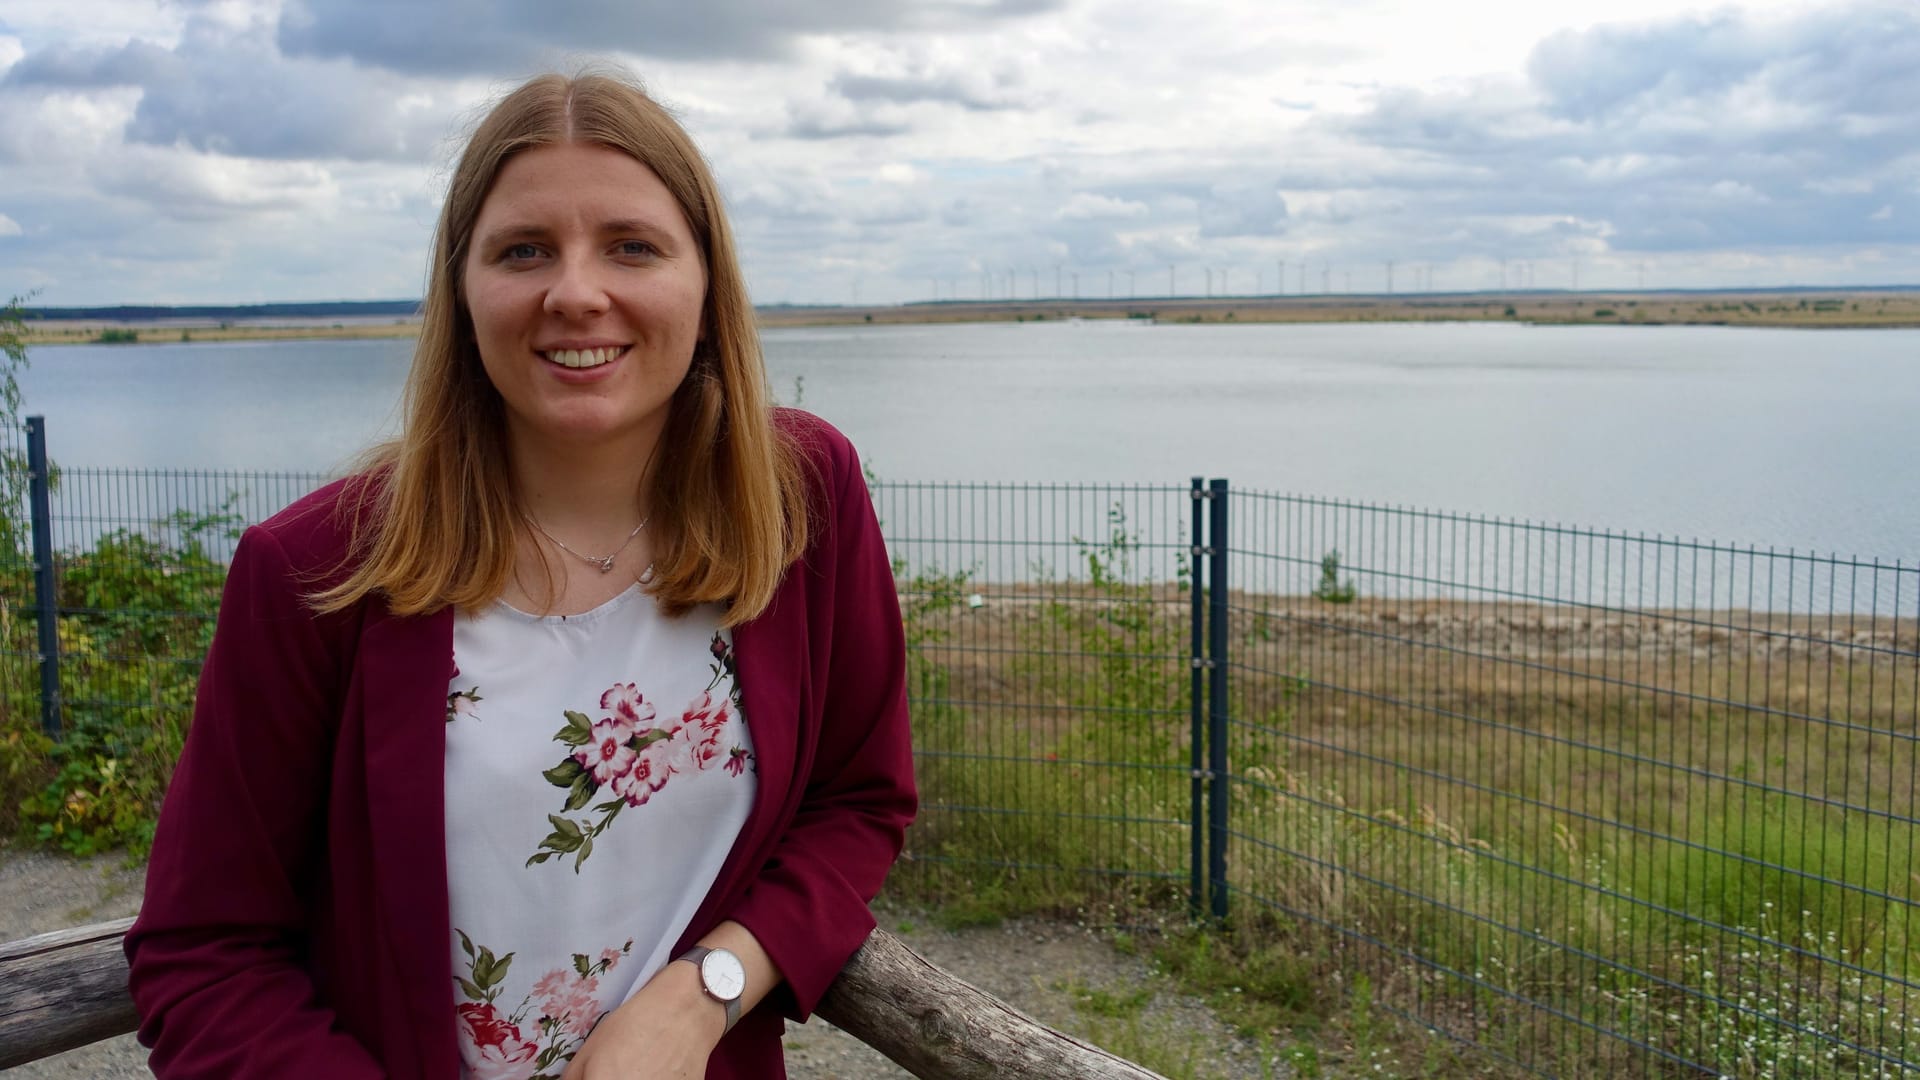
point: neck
(589, 491)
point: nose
(576, 290)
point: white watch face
(726, 979)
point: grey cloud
(65, 67)
(444, 37)
(233, 95)
(1689, 134)
(947, 89)
(1239, 209)
(815, 125)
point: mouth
(581, 359)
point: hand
(665, 1032)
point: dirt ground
(1042, 968)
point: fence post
(1197, 656)
(1217, 692)
(40, 507)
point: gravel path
(1052, 971)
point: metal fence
(1587, 802)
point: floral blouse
(598, 770)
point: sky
(884, 151)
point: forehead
(577, 183)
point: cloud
(442, 37)
(835, 118)
(1086, 206)
(1688, 134)
(948, 89)
(209, 187)
(228, 93)
(1242, 209)
(9, 227)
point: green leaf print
(578, 732)
(565, 773)
(581, 792)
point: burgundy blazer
(296, 918)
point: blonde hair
(438, 520)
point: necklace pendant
(606, 564)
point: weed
(1331, 589)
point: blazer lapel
(405, 665)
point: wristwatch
(722, 976)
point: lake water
(1790, 438)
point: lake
(1791, 438)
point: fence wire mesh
(1588, 802)
(1599, 804)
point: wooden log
(939, 1028)
(66, 989)
(62, 990)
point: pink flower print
(608, 756)
(737, 760)
(493, 1048)
(552, 984)
(648, 775)
(625, 701)
(677, 750)
(709, 714)
(707, 752)
(608, 958)
(573, 1004)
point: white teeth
(584, 358)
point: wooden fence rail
(66, 989)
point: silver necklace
(603, 562)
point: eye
(634, 249)
(520, 253)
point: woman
(569, 738)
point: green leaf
(581, 793)
(499, 971)
(539, 857)
(560, 844)
(580, 964)
(467, 988)
(563, 826)
(564, 774)
(483, 968)
(578, 732)
(648, 738)
(466, 943)
(586, 849)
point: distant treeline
(399, 309)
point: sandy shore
(1802, 310)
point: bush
(137, 618)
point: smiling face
(586, 289)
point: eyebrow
(515, 233)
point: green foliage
(1331, 589)
(117, 337)
(1114, 627)
(139, 608)
(1604, 313)
(13, 462)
